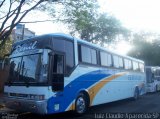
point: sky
(135, 15)
(43, 27)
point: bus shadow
(112, 104)
(64, 115)
(71, 115)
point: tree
(109, 29)
(6, 48)
(146, 46)
(83, 18)
(13, 15)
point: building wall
(17, 34)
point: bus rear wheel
(81, 104)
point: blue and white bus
(152, 78)
(56, 72)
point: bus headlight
(36, 97)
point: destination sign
(25, 47)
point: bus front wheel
(81, 104)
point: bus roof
(48, 43)
(42, 41)
(105, 49)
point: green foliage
(146, 49)
(84, 18)
(108, 28)
(6, 48)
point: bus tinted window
(118, 61)
(127, 64)
(69, 56)
(93, 56)
(88, 55)
(115, 60)
(106, 59)
(135, 66)
(141, 66)
(63, 45)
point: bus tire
(136, 94)
(81, 104)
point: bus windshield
(26, 69)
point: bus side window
(66, 46)
(141, 66)
(116, 61)
(58, 65)
(87, 55)
(135, 66)
(106, 59)
(127, 64)
(120, 60)
(58, 72)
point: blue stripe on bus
(71, 91)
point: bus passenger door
(57, 75)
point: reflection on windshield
(29, 65)
(14, 68)
(25, 69)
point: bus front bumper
(24, 105)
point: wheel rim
(80, 105)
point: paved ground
(146, 107)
